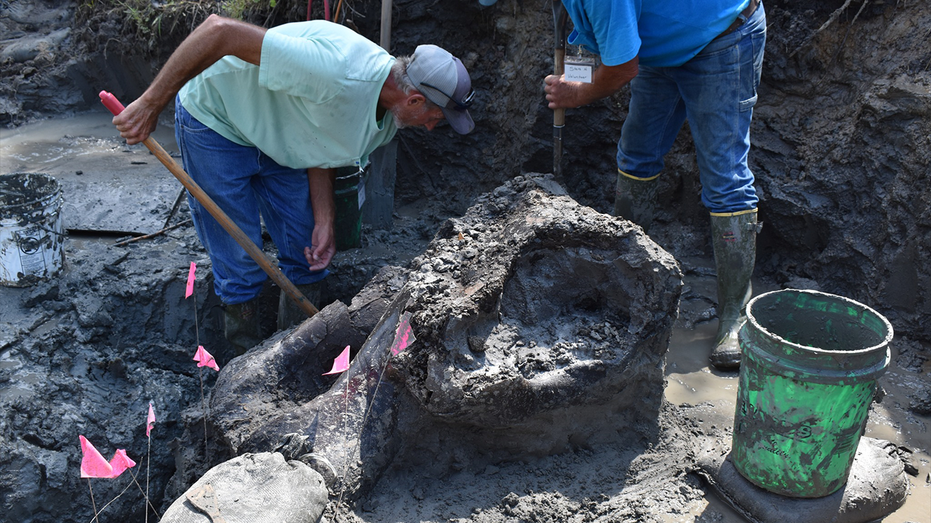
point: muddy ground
(841, 152)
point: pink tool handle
(111, 103)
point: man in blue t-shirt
(263, 118)
(686, 59)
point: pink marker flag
(404, 336)
(93, 465)
(120, 462)
(341, 363)
(204, 359)
(190, 281)
(150, 421)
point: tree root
(827, 23)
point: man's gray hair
(399, 72)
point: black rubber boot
(242, 325)
(289, 313)
(635, 199)
(734, 241)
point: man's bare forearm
(321, 195)
(215, 38)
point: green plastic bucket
(348, 196)
(808, 373)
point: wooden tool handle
(559, 62)
(251, 248)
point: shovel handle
(560, 18)
(115, 107)
(559, 61)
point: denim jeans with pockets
(245, 183)
(716, 91)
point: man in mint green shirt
(263, 118)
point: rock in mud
(876, 486)
(251, 488)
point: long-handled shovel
(559, 57)
(274, 272)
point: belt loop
(742, 17)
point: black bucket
(348, 195)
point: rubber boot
(242, 325)
(289, 313)
(635, 199)
(734, 241)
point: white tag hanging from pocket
(579, 69)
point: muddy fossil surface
(841, 152)
(492, 360)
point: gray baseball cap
(443, 79)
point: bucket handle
(50, 231)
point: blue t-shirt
(311, 103)
(662, 33)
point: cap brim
(460, 121)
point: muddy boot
(242, 325)
(289, 312)
(635, 198)
(734, 241)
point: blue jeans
(716, 91)
(245, 183)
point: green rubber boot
(635, 199)
(289, 313)
(242, 325)
(734, 241)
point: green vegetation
(156, 25)
(147, 22)
(237, 8)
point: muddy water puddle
(691, 383)
(48, 144)
(107, 186)
(57, 143)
